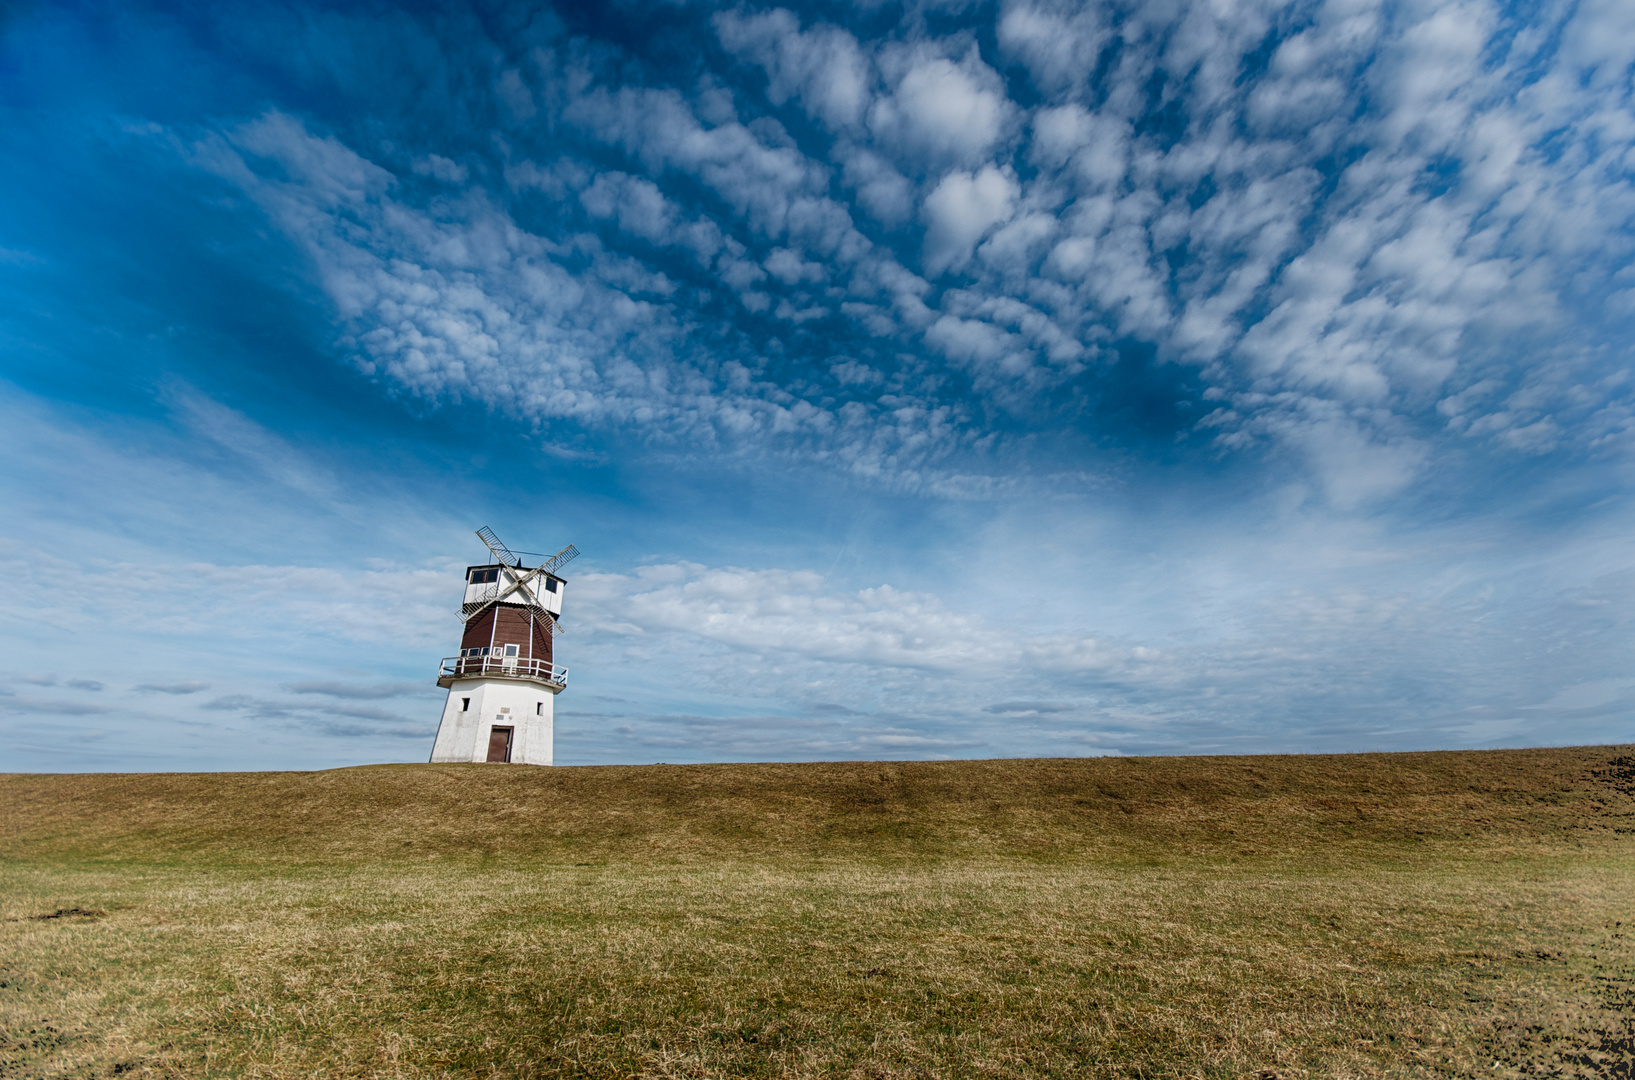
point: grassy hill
(1364, 915)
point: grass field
(1451, 914)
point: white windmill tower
(502, 686)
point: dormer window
(484, 575)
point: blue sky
(926, 380)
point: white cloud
(641, 210)
(515, 96)
(885, 193)
(1059, 43)
(441, 168)
(823, 67)
(174, 689)
(1354, 466)
(1015, 247)
(757, 176)
(796, 613)
(942, 112)
(788, 267)
(466, 303)
(1091, 149)
(960, 210)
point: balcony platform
(553, 677)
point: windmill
(504, 682)
(513, 583)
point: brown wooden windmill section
(506, 625)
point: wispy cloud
(178, 688)
(357, 692)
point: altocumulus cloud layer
(1360, 232)
(1270, 358)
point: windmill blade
(560, 559)
(552, 627)
(501, 552)
(475, 608)
(518, 591)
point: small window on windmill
(465, 704)
(511, 650)
(539, 709)
(550, 584)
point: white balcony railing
(502, 667)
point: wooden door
(499, 744)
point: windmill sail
(501, 552)
(560, 559)
(514, 589)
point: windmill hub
(503, 684)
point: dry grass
(1376, 915)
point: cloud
(1026, 708)
(1354, 467)
(883, 193)
(754, 170)
(176, 688)
(231, 431)
(793, 612)
(329, 721)
(33, 706)
(476, 306)
(960, 210)
(1059, 43)
(357, 691)
(823, 67)
(1352, 212)
(941, 112)
(441, 168)
(205, 602)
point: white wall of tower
(476, 706)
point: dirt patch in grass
(70, 913)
